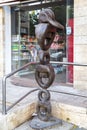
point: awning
(11, 2)
(41, 3)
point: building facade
(77, 74)
(80, 43)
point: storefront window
(20, 39)
(24, 43)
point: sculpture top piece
(46, 29)
(48, 16)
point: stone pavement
(24, 109)
(29, 80)
(64, 126)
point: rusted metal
(44, 57)
(47, 16)
(44, 75)
(45, 33)
(44, 105)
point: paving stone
(63, 126)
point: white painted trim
(7, 29)
(15, 2)
(11, 3)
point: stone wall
(80, 43)
(1, 43)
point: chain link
(44, 106)
(43, 95)
(44, 75)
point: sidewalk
(24, 109)
(29, 80)
(64, 126)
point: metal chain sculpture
(45, 33)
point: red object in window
(70, 52)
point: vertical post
(67, 17)
(4, 96)
(19, 32)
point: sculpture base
(37, 124)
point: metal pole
(19, 33)
(4, 96)
(4, 85)
(68, 63)
(21, 99)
